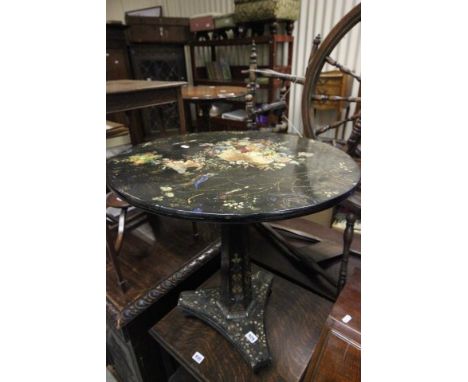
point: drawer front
(330, 86)
(156, 33)
(160, 21)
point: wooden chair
(123, 223)
(320, 55)
(122, 220)
(127, 217)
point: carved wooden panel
(161, 62)
(121, 355)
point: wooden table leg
(188, 117)
(135, 127)
(180, 107)
(205, 107)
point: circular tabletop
(211, 93)
(237, 177)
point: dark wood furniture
(275, 60)
(319, 57)
(200, 75)
(310, 242)
(337, 356)
(293, 319)
(316, 84)
(144, 29)
(131, 95)
(117, 62)
(156, 269)
(205, 96)
(236, 179)
(157, 58)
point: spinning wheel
(319, 57)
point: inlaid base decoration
(247, 331)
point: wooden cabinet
(275, 61)
(159, 62)
(117, 63)
(333, 83)
(157, 53)
(277, 53)
(158, 29)
(337, 357)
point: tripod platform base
(246, 329)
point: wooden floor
(294, 318)
(146, 261)
(295, 312)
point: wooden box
(158, 29)
(202, 23)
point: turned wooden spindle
(252, 69)
(355, 138)
(240, 31)
(249, 108)
(274, 27)
(282, 112)
(336, 124)
(342, 68)
(252, 88)
(315, 46)
(347, 240)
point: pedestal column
(236, 287)
(236, 309)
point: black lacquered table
(234, 178)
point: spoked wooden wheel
(321, 56)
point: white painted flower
(305, 154)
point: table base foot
(245, 331)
